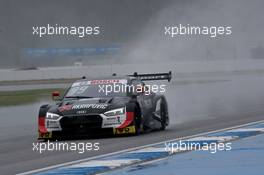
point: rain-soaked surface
(18, 121)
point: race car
(117, 105)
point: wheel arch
(43, 110)
(136, 108)
(162, 99)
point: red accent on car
(41, 125)
(55, 94)
(129, 119)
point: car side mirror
(55, 95)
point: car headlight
(52, 116)
(114, 112)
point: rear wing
(149, 77)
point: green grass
(13, 98)
(25, 82)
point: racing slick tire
(138, 121)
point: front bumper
(87, 125)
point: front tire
(138, 121)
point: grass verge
(13, 98)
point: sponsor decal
(126, 130)
(112, 121)
(89, 106)
(104, 81)
(81, 112)
(46, 135)
(111, 124)
(95, 82)
(65, 108)
(111, 81)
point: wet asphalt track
(195, 107)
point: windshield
(97, 88)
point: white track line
(247, 130)
(212, 138)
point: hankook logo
(90, 106)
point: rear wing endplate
(156, 76)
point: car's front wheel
(138, 121)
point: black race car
(116, 105)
